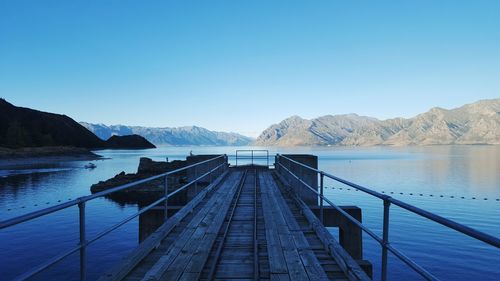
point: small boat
(90, 166)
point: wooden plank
(277, 263)
(162, 265)
(345, 262)
(309, 260)
(196, 264)
(230, 271)
(124, 267)
(296, 269)
(176, 268)
(279, 277)
(294, 265)
(189, 277)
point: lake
(458, 182)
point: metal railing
(387, 201)
(216, 165)
(250, 154)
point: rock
(150, 167)
(148, 192)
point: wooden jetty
(245, 222)
(246, 225)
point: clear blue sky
(243, 65)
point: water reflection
(149, 222)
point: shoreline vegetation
(10, 157)
(47, 151)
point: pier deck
(244, 226)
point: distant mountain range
(476, 123)
(22, 127)
(190, 135)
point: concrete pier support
(350, 235)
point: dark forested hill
(25, 127)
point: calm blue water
(458, 171)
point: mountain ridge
(174, 136)
(474, 123)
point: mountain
(191, 135)
(24, 127)
(476, 123)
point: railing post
(165, 204)
(252, 157)
(83, 242)
(209, 165)
(277, 164)
(321, 180)
(217, 168)
(226, 163)
(280, 170)
(299, 184)
(290, 177)
(385, 239)
(196, 177)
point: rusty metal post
(385, 239)
(321, 180)
(83, 242)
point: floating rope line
(326, 187)
(421, 194)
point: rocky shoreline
(153, 190)
(145, 193)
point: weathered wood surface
(345, 262)
(233, 256)
(299, 259)
(153, 241)
(291, 243)
(208, 221)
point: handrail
(252, 155)
(81, 204)
(439, 219)
(49, 210)
(384, 241)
